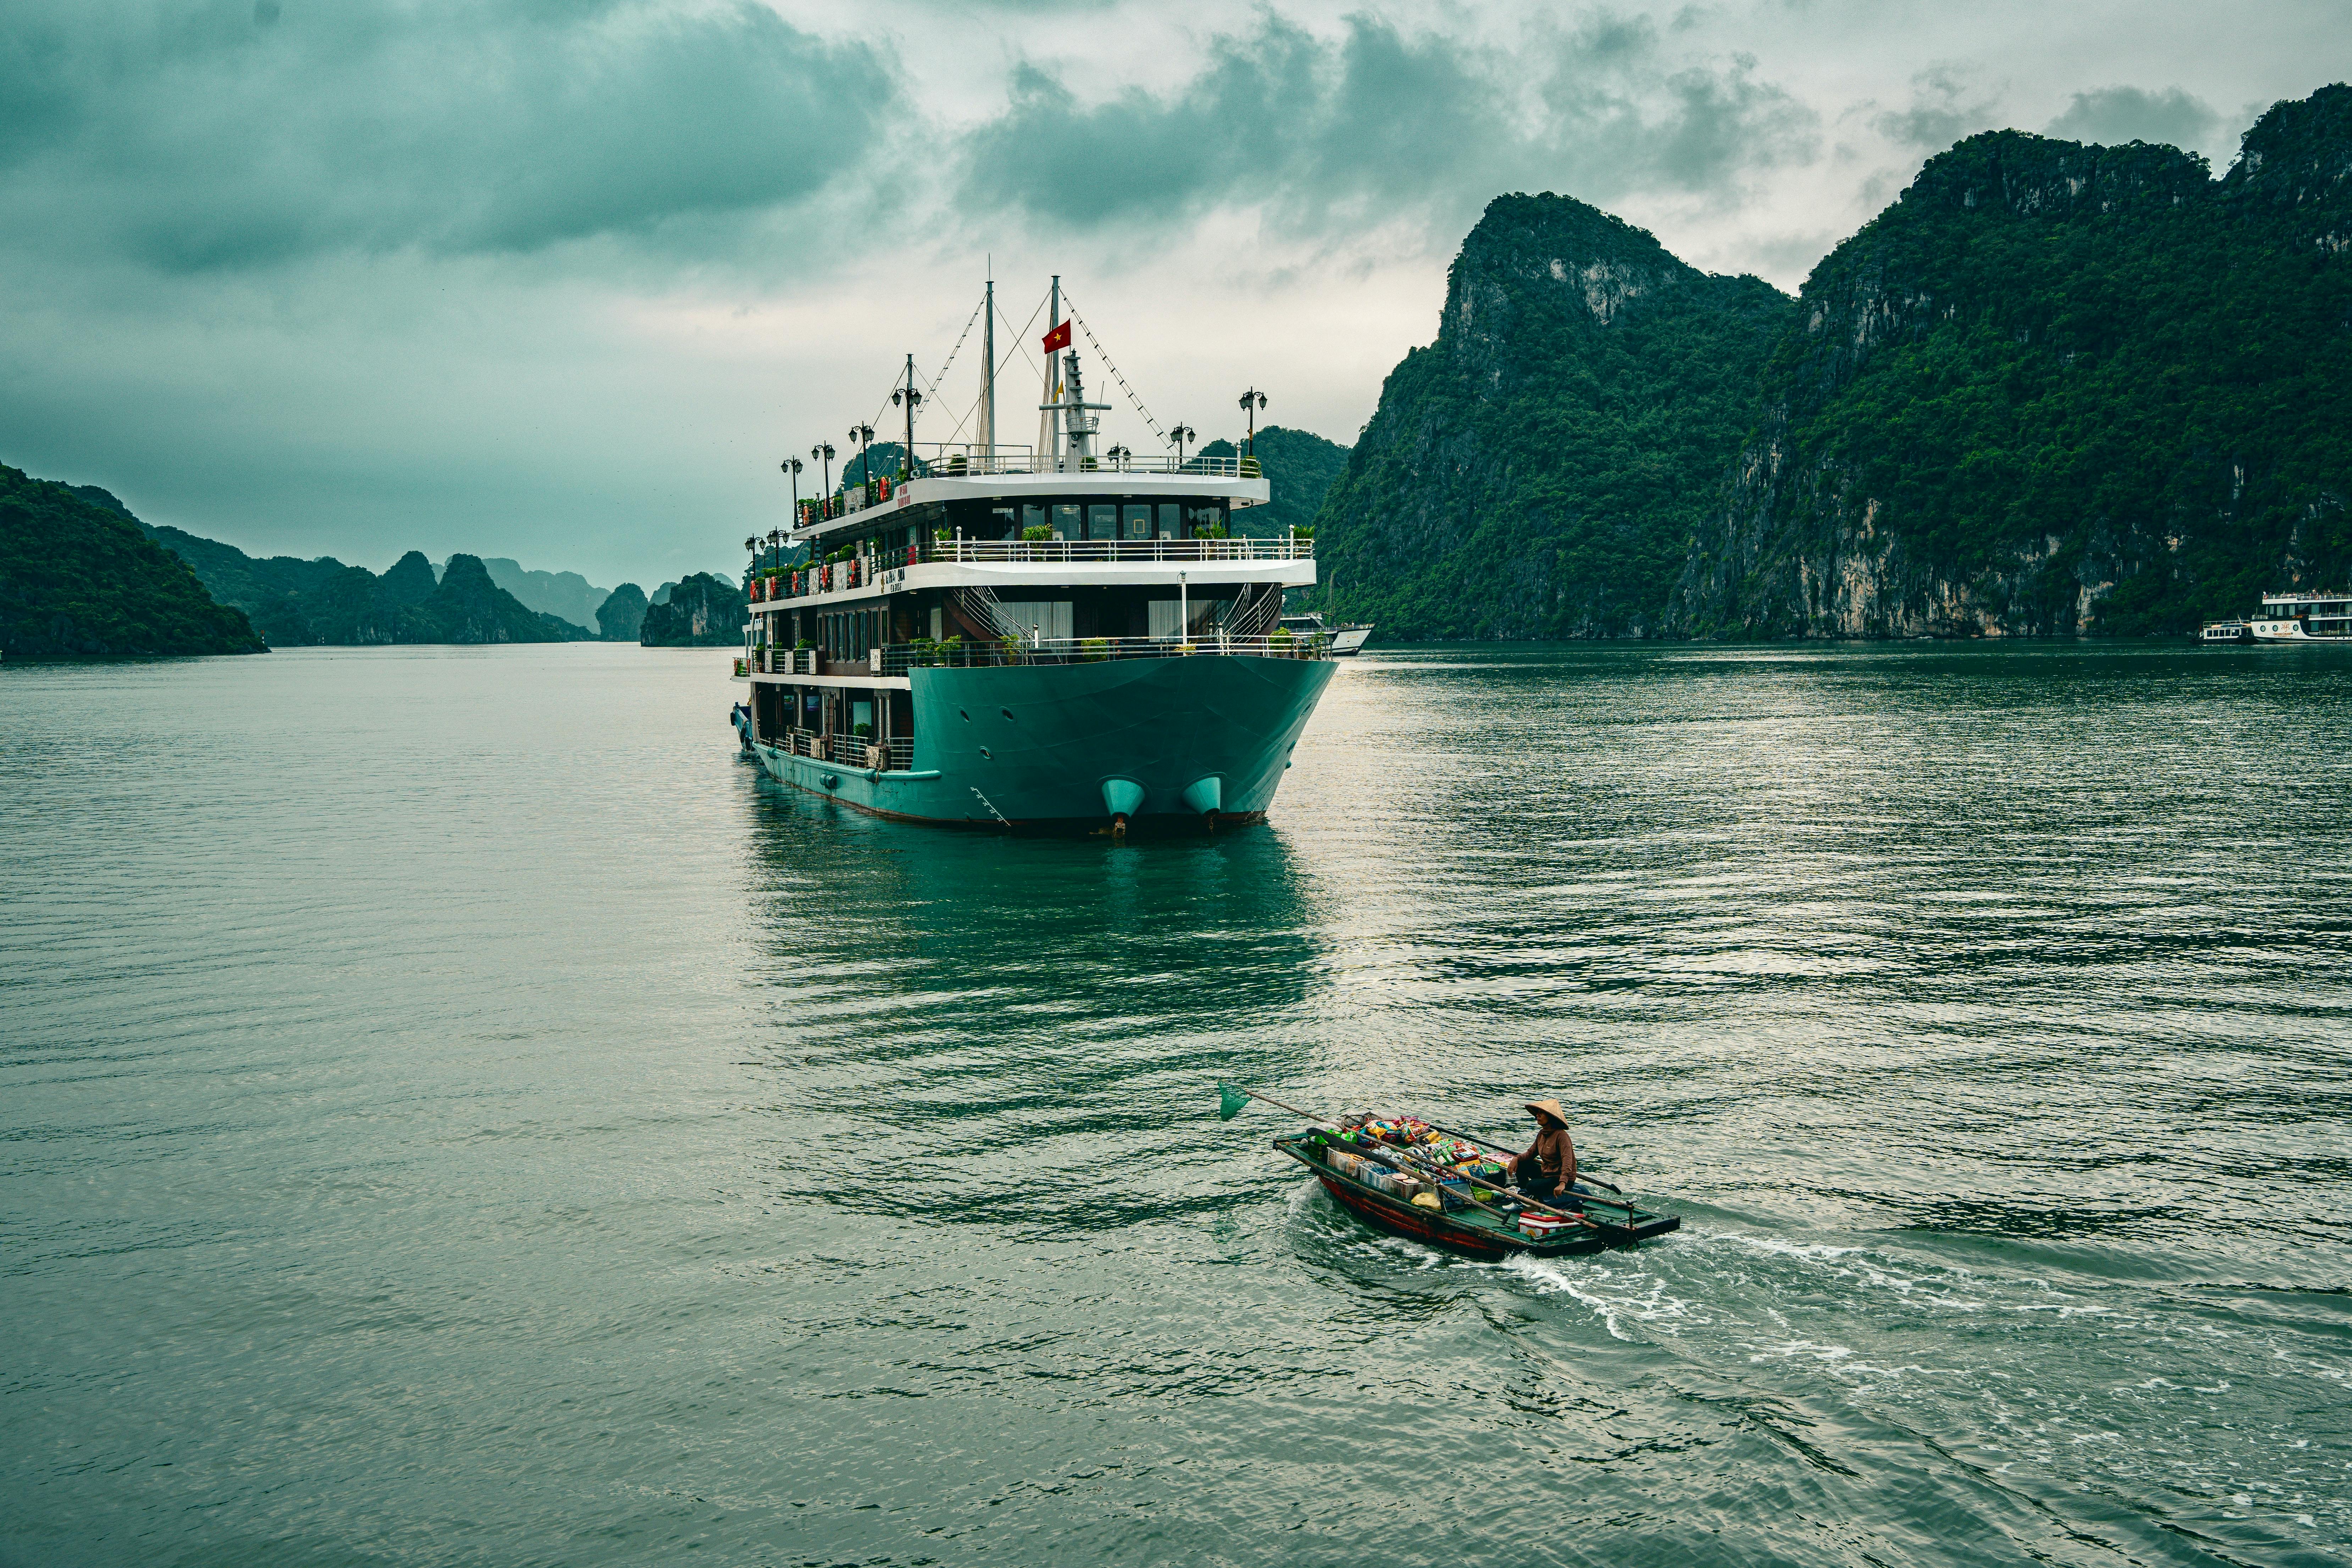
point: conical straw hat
(1549, 1107)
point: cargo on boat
(1451, 1190)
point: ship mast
(1049, 429)
(987, 374)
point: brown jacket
(1555, 1153)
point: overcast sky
(564, 280)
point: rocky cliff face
(2055, 389)
(703, 610)
(1539, 469)
(622, 615)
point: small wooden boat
(1489, 1230)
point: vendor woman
(1547, 1169)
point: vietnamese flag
(1059, 338)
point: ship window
(1171, 521)
(1161, 616)
(1136, 520)
(1033, 515)
(1201, 515)
(1102, 522)
(1066, 519)
(1050, 617)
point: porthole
(985, 754)
(1008, 714)
(967, 718)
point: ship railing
(953, 462)
(794, 739)
(776, 660)
(898, 658)
(770, 588)
(949, 460)
(895, 755)
(1080, 551)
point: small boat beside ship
(2290, 617)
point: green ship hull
(1165, 742)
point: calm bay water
(457, 1111)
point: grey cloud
(233, 133)
(1330, 131)
(2116, 114)
(1943, 110)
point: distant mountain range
(294, 602)
(99, 594)
(2052, 389)
(566, 595)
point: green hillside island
(1539, 469)
(2052, 389)
(622, 615)
(77, 580)
(293, 603)
(2057, 389)
(702, 610)
(1298, 466)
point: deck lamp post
(1181, 434)
(863, 435)
(791, 467)
(1120, 455)
(1251, 401)
(823, 450)
(911, 398)
(775, 549)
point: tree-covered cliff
(703, 610)
(78, 578)
(2056, 388)
(1539, 469)
(1299, 467)
(622, 615)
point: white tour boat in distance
(2292, 617)
(1344, 641)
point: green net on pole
(1230, 1101)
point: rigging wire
(933, 384)
(1101, 356)
(879, 421)
(1021, 334)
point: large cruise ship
(1052, 635)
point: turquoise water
(457, 1111)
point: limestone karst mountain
(2052, 389)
